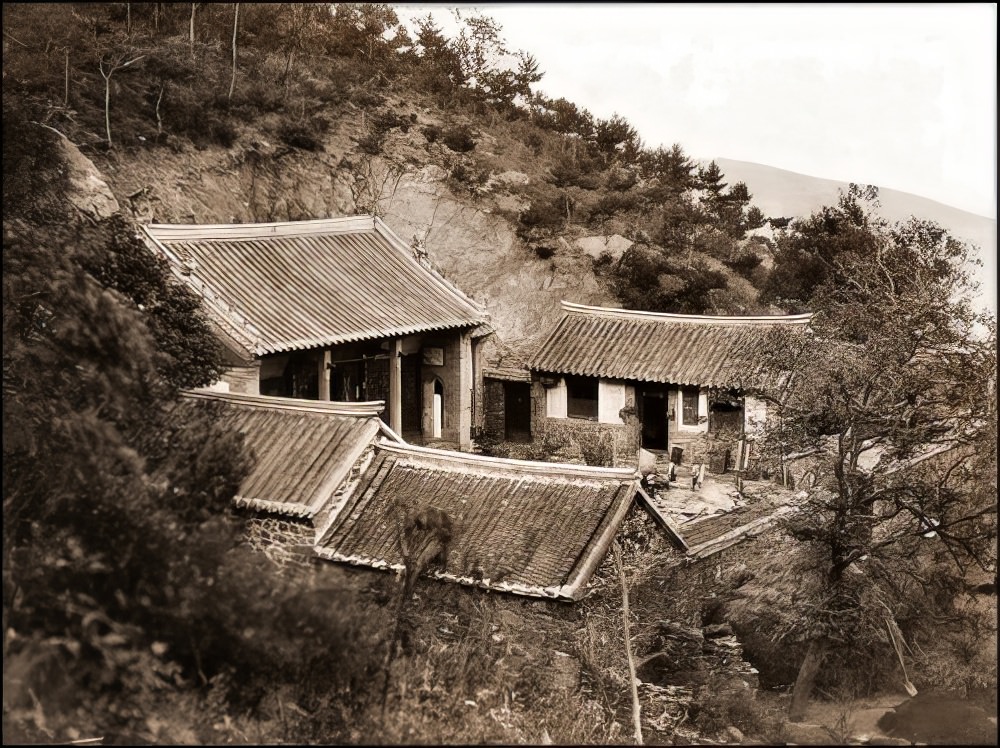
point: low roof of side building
(303, 449)
(536, 529)
(276, 287)
(685, 349)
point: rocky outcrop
(87, 191)
(468, 237)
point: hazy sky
(898, 95)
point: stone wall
(286, 541)
(494, 414)
(598, 444)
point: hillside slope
(467, 238)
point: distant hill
(782, 193)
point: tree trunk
(159, 118)
(808, 671)
(636, 711)
(66, 87)
(191, 32)
(236, 22)
(107, 106)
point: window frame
(592, 383)
(701, 421)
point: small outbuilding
(668, 383)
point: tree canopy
(893, 398)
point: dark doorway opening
(517, 411)
(411, 395)
(653, 413)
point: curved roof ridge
(222, 231)
(527, 466)
(294, 285)
(799, 319)
(369, 409)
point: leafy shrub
(469, 178)
(459, 139)
(380, 125)
(431, 133)
(647, 278)
(715, 709)
(744, 263)
(34, 179)
(366, 99)
(570, 171)
(542, 217)
(259, 96)
(612, 204)
(372, 142)
(304, 135)
(221, 131)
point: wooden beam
(673, 532)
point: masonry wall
(494, 408)
(458, 394)
(286, 541)
(599, 444)
(243, 379)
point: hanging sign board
(434, 356)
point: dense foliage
(893, 400)
(124, 577)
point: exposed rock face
(252, 183)
(466, 238)
(613, 246)
(479, 251)
(88, 192)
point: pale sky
(898, 95)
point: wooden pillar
(465, 387)
(396, 385)
(324, 375)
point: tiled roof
(537, 529)
(654, 347)
(710, 535)
(508, 360)
(303, 449)
(286, 286)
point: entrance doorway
(517, 411)
(437, 417)
(653, 414)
